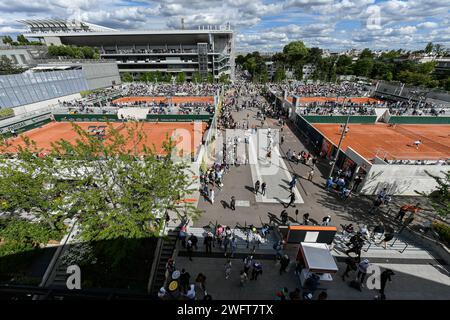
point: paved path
(419, 273)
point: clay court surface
(155, 134)
(157, 99)
(394, 142)
(307, 100)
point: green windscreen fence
(25, 125)
(340, 119)
(86, 117)
(150, 117)
(419, 120)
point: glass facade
(21, 89)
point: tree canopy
(7, 67)
(116, 186)
(73, 52)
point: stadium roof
(61, 24)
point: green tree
(126, 77)
(366, 53)
(167, 77)
(363, 67)
(343, 65)
(210, 78)
(429, 47)
(181, 77)
(197, 77)
(7, 40)
(280, 74)
(314, 55)
(42, 192)
(295, 51)
(224, 78)
(117, 187)
(7, 67)
(158, 76)
(240, 59)
(22, 40)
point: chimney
(182, 23)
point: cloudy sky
(263, 25)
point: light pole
(339, 146)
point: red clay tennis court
(392, 142)
(155, 134)
(158, 99)
(306, 100)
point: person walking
(194, 241)
(233, 203)
(291, 200)
(257, 185)
(248, 262)
(384, 278)
(356, 183)
(326, 220)
(284, 217)
(225, 243)
(263, 188)
(407, 208)
(357, 242)
(278, 247)
(388, 236)
(201, 280)
(243, 278)
(289, 154)
(211, 196)
(284, 263)
(191, 293)
(306, 219)
(351, 265)
(184, 280)
(376, 205)
(256, 271)
(293, 183)
(329, 183)
(208, 242)
(362, 271)
(189, 249)
(227, 269)
(311, 175)
(233, 246)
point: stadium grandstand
(208, 50)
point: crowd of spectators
(347, 88)
(413, 108)
(101, 102)
(169, 89)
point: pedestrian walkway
(274, 173)
(243, 240)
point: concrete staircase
(397, 248)
(166, 252)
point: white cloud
(259, 24)
(427, 25)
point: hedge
(6, 113)
(443, 230)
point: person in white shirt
(211, 196)
(191, 293)
(417, 143)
